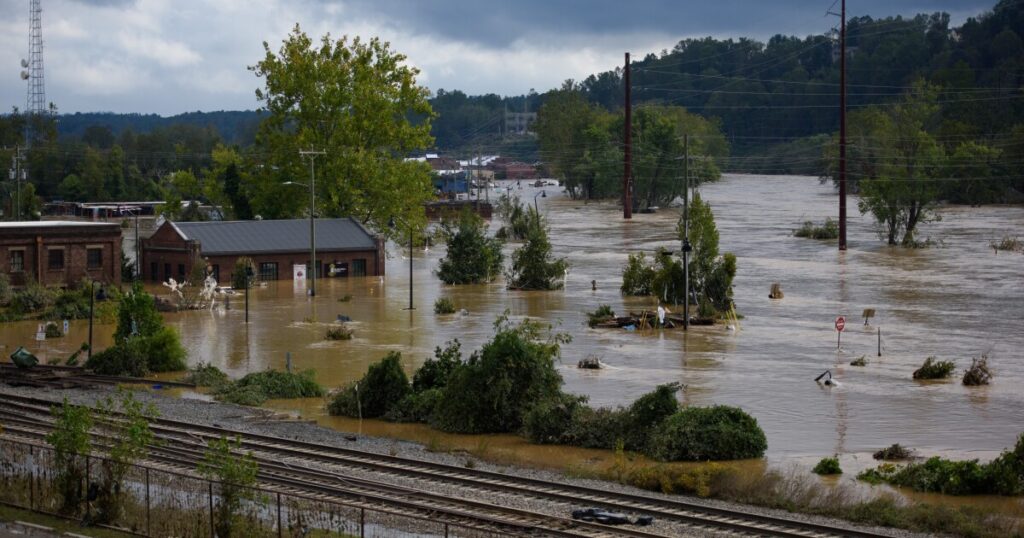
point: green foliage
(340, 332)
(637, 276)
(414, 407)
(70, 441)
(549, 420)
(647, 414)
(708, 433)
(53, 331)
(377, 113)
(384, 385)
(894, 452)
(603, 313)
(859, 361)
(142, 344)
(126, 421)
(934, 369)
(1002, 476)
(244, 265)
(472, 257)
(34, 297)
(236, 473)
(495, 387)
(258, 387)
(444, 305)
(829, 230)
(532, 265)
(206, 375)
(978, 373)
(435, 372)
(5, 289)
(711, 276)
(1010, 244)
(827, 466)
(516, 217)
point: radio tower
(36, 101)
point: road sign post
(840, 325)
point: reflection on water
(955, 301)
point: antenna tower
(36, 100)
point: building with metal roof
(278, 248)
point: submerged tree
(472, 257)
(532, 265)
(711, 275)
(358, 102)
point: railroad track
(681, 511)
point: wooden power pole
(842, 127)
(627, 173)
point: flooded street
(956, 301)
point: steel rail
(679, 510)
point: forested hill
(787, 88)
(234, 127)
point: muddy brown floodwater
(956, 301)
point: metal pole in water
(879, 341)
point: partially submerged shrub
(533, 266)
(934, 369)
(1008, 243)
(383, 386)
(339, 332)
(472, 257)
(206, 375)
(894, 452)
(435, 371)
(637, 276)
(142, 344)
(258, 387)
(708, 433)
(1002, 476)
(548, 421)
(978, 373)
(444, 305)
(244, 266)
(860, 361)
(414, 407)
(827, 466)
(602, 314)
(829, 230)
(53, 331)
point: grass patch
(828, 230)
(1007, 243)
(340, 332)
(934, 369)
(827, 466)
(444, 305)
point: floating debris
(978, 373)
(590, 362)
(776, 292)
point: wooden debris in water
(894, 452)
(776, 292)
(868, 314)
(590, 362)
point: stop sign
(840, 323)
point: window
(94, 258)
(55, 261)
(17, 260)
(268, 270)
(359, 267)
(181, 272)
(152, 272)
(167, 272)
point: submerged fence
(161, 502)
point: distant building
(343, 248)
(519, 122)
(60, 253)
(505, 168)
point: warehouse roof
(256, 236)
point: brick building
(60, 253)
(343, 248)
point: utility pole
(687, 247)
(842, 127)
(312, 211)
(627, 173)
(16, 174)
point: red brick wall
(74, 241)
(166, 248)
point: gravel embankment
(257, 421)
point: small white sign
(41, 332)
(67, 325)
(299, 278)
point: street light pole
(411, 307)
(312, 222)
(687, 247)
(542, 194)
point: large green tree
(472, 257)
(358, 102)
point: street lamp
(92, 296)
(391, 224)
(542, 194)
(312, 235)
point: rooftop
(55, 224)
(253, 236)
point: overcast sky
(173, 56)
